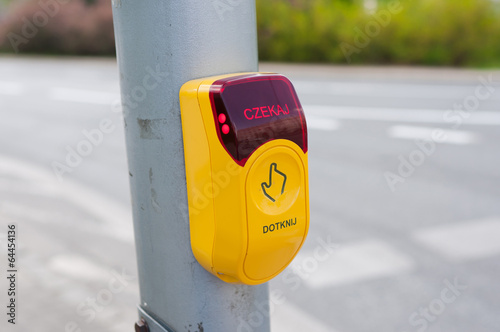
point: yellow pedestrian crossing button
(245, 146)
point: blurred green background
(419, 32)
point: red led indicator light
(225, 128)
(222, 118)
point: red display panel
(251, 110)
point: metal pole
(162, 44)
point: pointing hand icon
(276, 184)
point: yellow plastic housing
(248, 222)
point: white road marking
(459, 137)
(116, 220)
(322, 123)
(84, 96)
(11, 88)
(77, 267)
(463, 241)
(386, 90)
(287, 318)
(485, 118)
(16, 211)
(352, 263)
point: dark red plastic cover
(258, 108)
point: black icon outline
(268, 185)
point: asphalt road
(404, 185)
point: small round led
(222, 118)
(225, 129)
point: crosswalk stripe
(463, 241)
(352, 263)
(287, 317)
(484, 118)
(84, 96)
(459, 137)
(11, 88)
(322, 123)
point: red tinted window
(256, 109)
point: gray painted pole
(162, 44)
